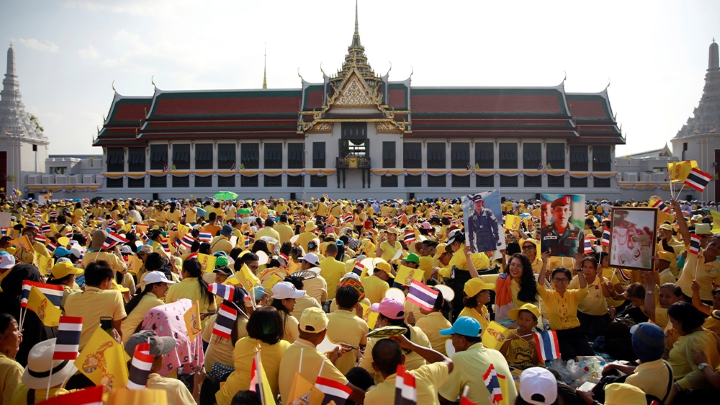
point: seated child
(519, 349)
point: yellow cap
(624, 394)
(313, 320)
(475, 285)
(439, 250)
(384, 266)
(64, 269)
(526, 307)
(116, 286)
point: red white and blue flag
(233, 167)
(53, 214)
(40, 238)
(694, 244)
(205, 237)
(589, 244)
(112, 240)
(698, 179)
(409, 236)
(68, 338)
(548, 347)
(334, 391)
(139, 369)
(51, 247)
(358, 269)
(45, 228)
(54, 293)
(405, 390)
(225, 321)
(187, 240)
(247, 242)
(346, 218)
(606, 237)
(493, 385)
(30, 224)
(422, 295)
(224, 291)
(659, 204)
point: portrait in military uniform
(482, 214)
(564, 235)
(632, 237)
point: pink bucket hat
(390, 308)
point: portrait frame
(491, 199)
(569, 242)
(639, 223)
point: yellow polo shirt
(712, 322)
(483, 316)
(116, 263)
(136, 317)
(685, 372)
(304, 303)
(706, 274)
(10, 376)
(91, 305)
(389, 251)
(375, 288)
(562, 310)
(412, 360)
(290, 331)
(322, 209)
(316, 287)
(19, 397)
(305, 352)
(332, 271)
(189, 288)
(285, 231)
(594, 302)
(304, 238)
(651, 377)
(177, 392)
(428, 379)
(243, 356)
(219, 349)
(431, 325)
(344, 326)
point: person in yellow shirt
(593, 310)
(284, 297)
(307, 235)
(388, 245)
(156, 287)
(376, 285)
(688, 321)
(284, 230)
(477, 295)
(10, 370)
(192, 287)
(331, 270)
(346, 327)
(37, 375)
(434, 321)
(703, 268)
(78, 213)
(519, 349)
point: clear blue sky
(69, 51)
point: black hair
(677, 291)
(528, 285)
(387, 355)
(266, 325)
(512, 248)
(58, 281)
(296, 281)
(205, 248)
(636, 290)
(690, 317)
(247, 257)
(441, 304)
(97, 272)
(5, 321)
(340, 252)
(590, 259)
(193, 267)
(136, 299)
(330, 247)
(260, 245)
(235, 252)
(153, 262)
(286, 248)
(347, 296)
(562, 270)
(245, 397)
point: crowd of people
(312, 282)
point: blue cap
(465, 326)
(648, 341)
(62, 252)
(259, 292)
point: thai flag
(144, 237)
(68, 338)
(547, 345)
(51, 247)
(140, 367)
(164, 244)
(45, 228)
(447, 215)
(422, 295)
(247, 242)
(405, 391)
(659, 204)
(589, 244)
(540, 166)
(53, 214)
(225, 321)
(624, 276)
(30, 224)
(187, 240)
(224, 291)
(409, 236)
(54, 293)
(606, 237)
(165, 167)
(205, 237)
(112, 240)
(334, 391)
(4, 231)
(493, 385)
(358, 269)
(284, 257)
(694, 244)
(296, 217)
(346, 218)
(697, 179)
(111, 223)
(191, 255)
(464, 399)
(69, 232)
(40, 238)
(233, 167)
(469, 167)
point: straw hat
(37, 371)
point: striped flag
(87, 396)
(225, 321)
(40, 238)
(112, 240)
(165, 167)
(694, 244)
(259, 383)
(623, 275)
(68, 338)
(464, 399)
(405, 391)
(659, 204)
(53, 214)
(223, 291)
(697, 179)
(493, 385)
(606, 237)
(164, 244)
(4, 231)
(54, 293)
(409, 236)
(140, 365)
(422, 295)
(590, 244)
(233, 167)
(247, 242)
(30, 224)
(45, 228)
(187, 240)
(51, 247)
(547, 345)
(334, 391)
(346, 218)
(205, 237)
(358, 269)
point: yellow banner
(494, 335)
(207, 262)
(680, 170)
(192, 321)
(104, 361)
(405, 275)
(716, 221)
(45, 310)
(512, 222)
(304, 392)
(134, 264)
(45, 264)
(182, 230)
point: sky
(68, 52)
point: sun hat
(390, 308)
(666, 227)
(98, 238)
(159, 345)
(285, 290)
(156, 277)
(624, 394)
(536, 382)
(226, 230)
(312, 320)
(515, 312)
(40, 363)
(310, 226)
(465, 326)
(7, 261)
(62, 269)
(412, 258)
(311, 258)
(475, 285)
(426, 225)
(648, 341)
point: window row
(480, 181)
(222, 182)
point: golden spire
(356, 35)
(265, 69)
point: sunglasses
(528, 247)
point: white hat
(284, 290)
(7, 261)
(311, 258)
(39, 362)
(350, 275)
(77, 251)
(538, 381)
(156, 277)
(126, 249)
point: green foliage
(37, 123)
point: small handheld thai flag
(334, 391)
(111, 223)
(422, 295)
(589, 244)
(493, 385)
(51, 247)
(164, 244)
(4, 231)
(233, 167)
(54, 293)
(187, 240)
(358, 269)
(697, 179)
(112, 240)
(30, 224)
(606, 237)
(624, 276)
(223, 291)
(405, 391)
(247, 242)
(205, 237)
(165, 167)
(40, 238)
(53, 214)
(659, 204)
(45, 228)
(409, 236)
(225, 320)
(68, 338)
(140, 367)
(547, 345)
(469, 167)
(144, 237)
(346, 218)
(694, 244)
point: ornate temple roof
(706, 116)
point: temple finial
(356, 20)
(265, 69)
(356, 36)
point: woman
(64, 273)
(434, 321)
(515, 287)
(477, 295)
(284, 296)
(78, 214)
(156, 287)
(561, 305)
(687, 321)
(174, 215)
(219, 349)
(529, 249)
(593, 309)
(192, 287)
(703, 268)
(265, 335)
(10, 370)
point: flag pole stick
(697, 261)
(47, 392)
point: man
(663, 261)
(322, 210)
(96, 253)
(212, 227)
(316, 287)
(268, 231)
(377, 284)
(472, 361)
(98, 300)
(284, 230)
(331, 269)
(562, 238)
(344, 325)
(177, 392)
(221, 243)
(545, 215)
(304, 302)
(482, 227)
(388, 355)
(307, 235)
(303, 356)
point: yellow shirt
(135, 318)
(389, 251)
(651, 377)
(426, 265)
(174, 216)
(470, 366)
(712, 322)
(322, 209)
(428, 379)
(243, 356)
(285, 232)
(344, 326)
(431, 325)
(685, 372)
(116, 263)
(311, 361)
(291, 331)
(316, 287)
(483, 316)
(375, 288)
(304, 238)
(562, 310)
(220, 350)
(304, 303)
(594, 302)
(412, 360)
(189, 288)
(77, 215)
(267, 231)
(10, 375)
(706, 274)
(190, 216)
(332, 271)
(19, 397)
(520, 352)
(91, 305)
(177, 392)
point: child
(519, 349)
(435, 321)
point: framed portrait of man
(482, 218)
(632, 237)
(562, 230)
